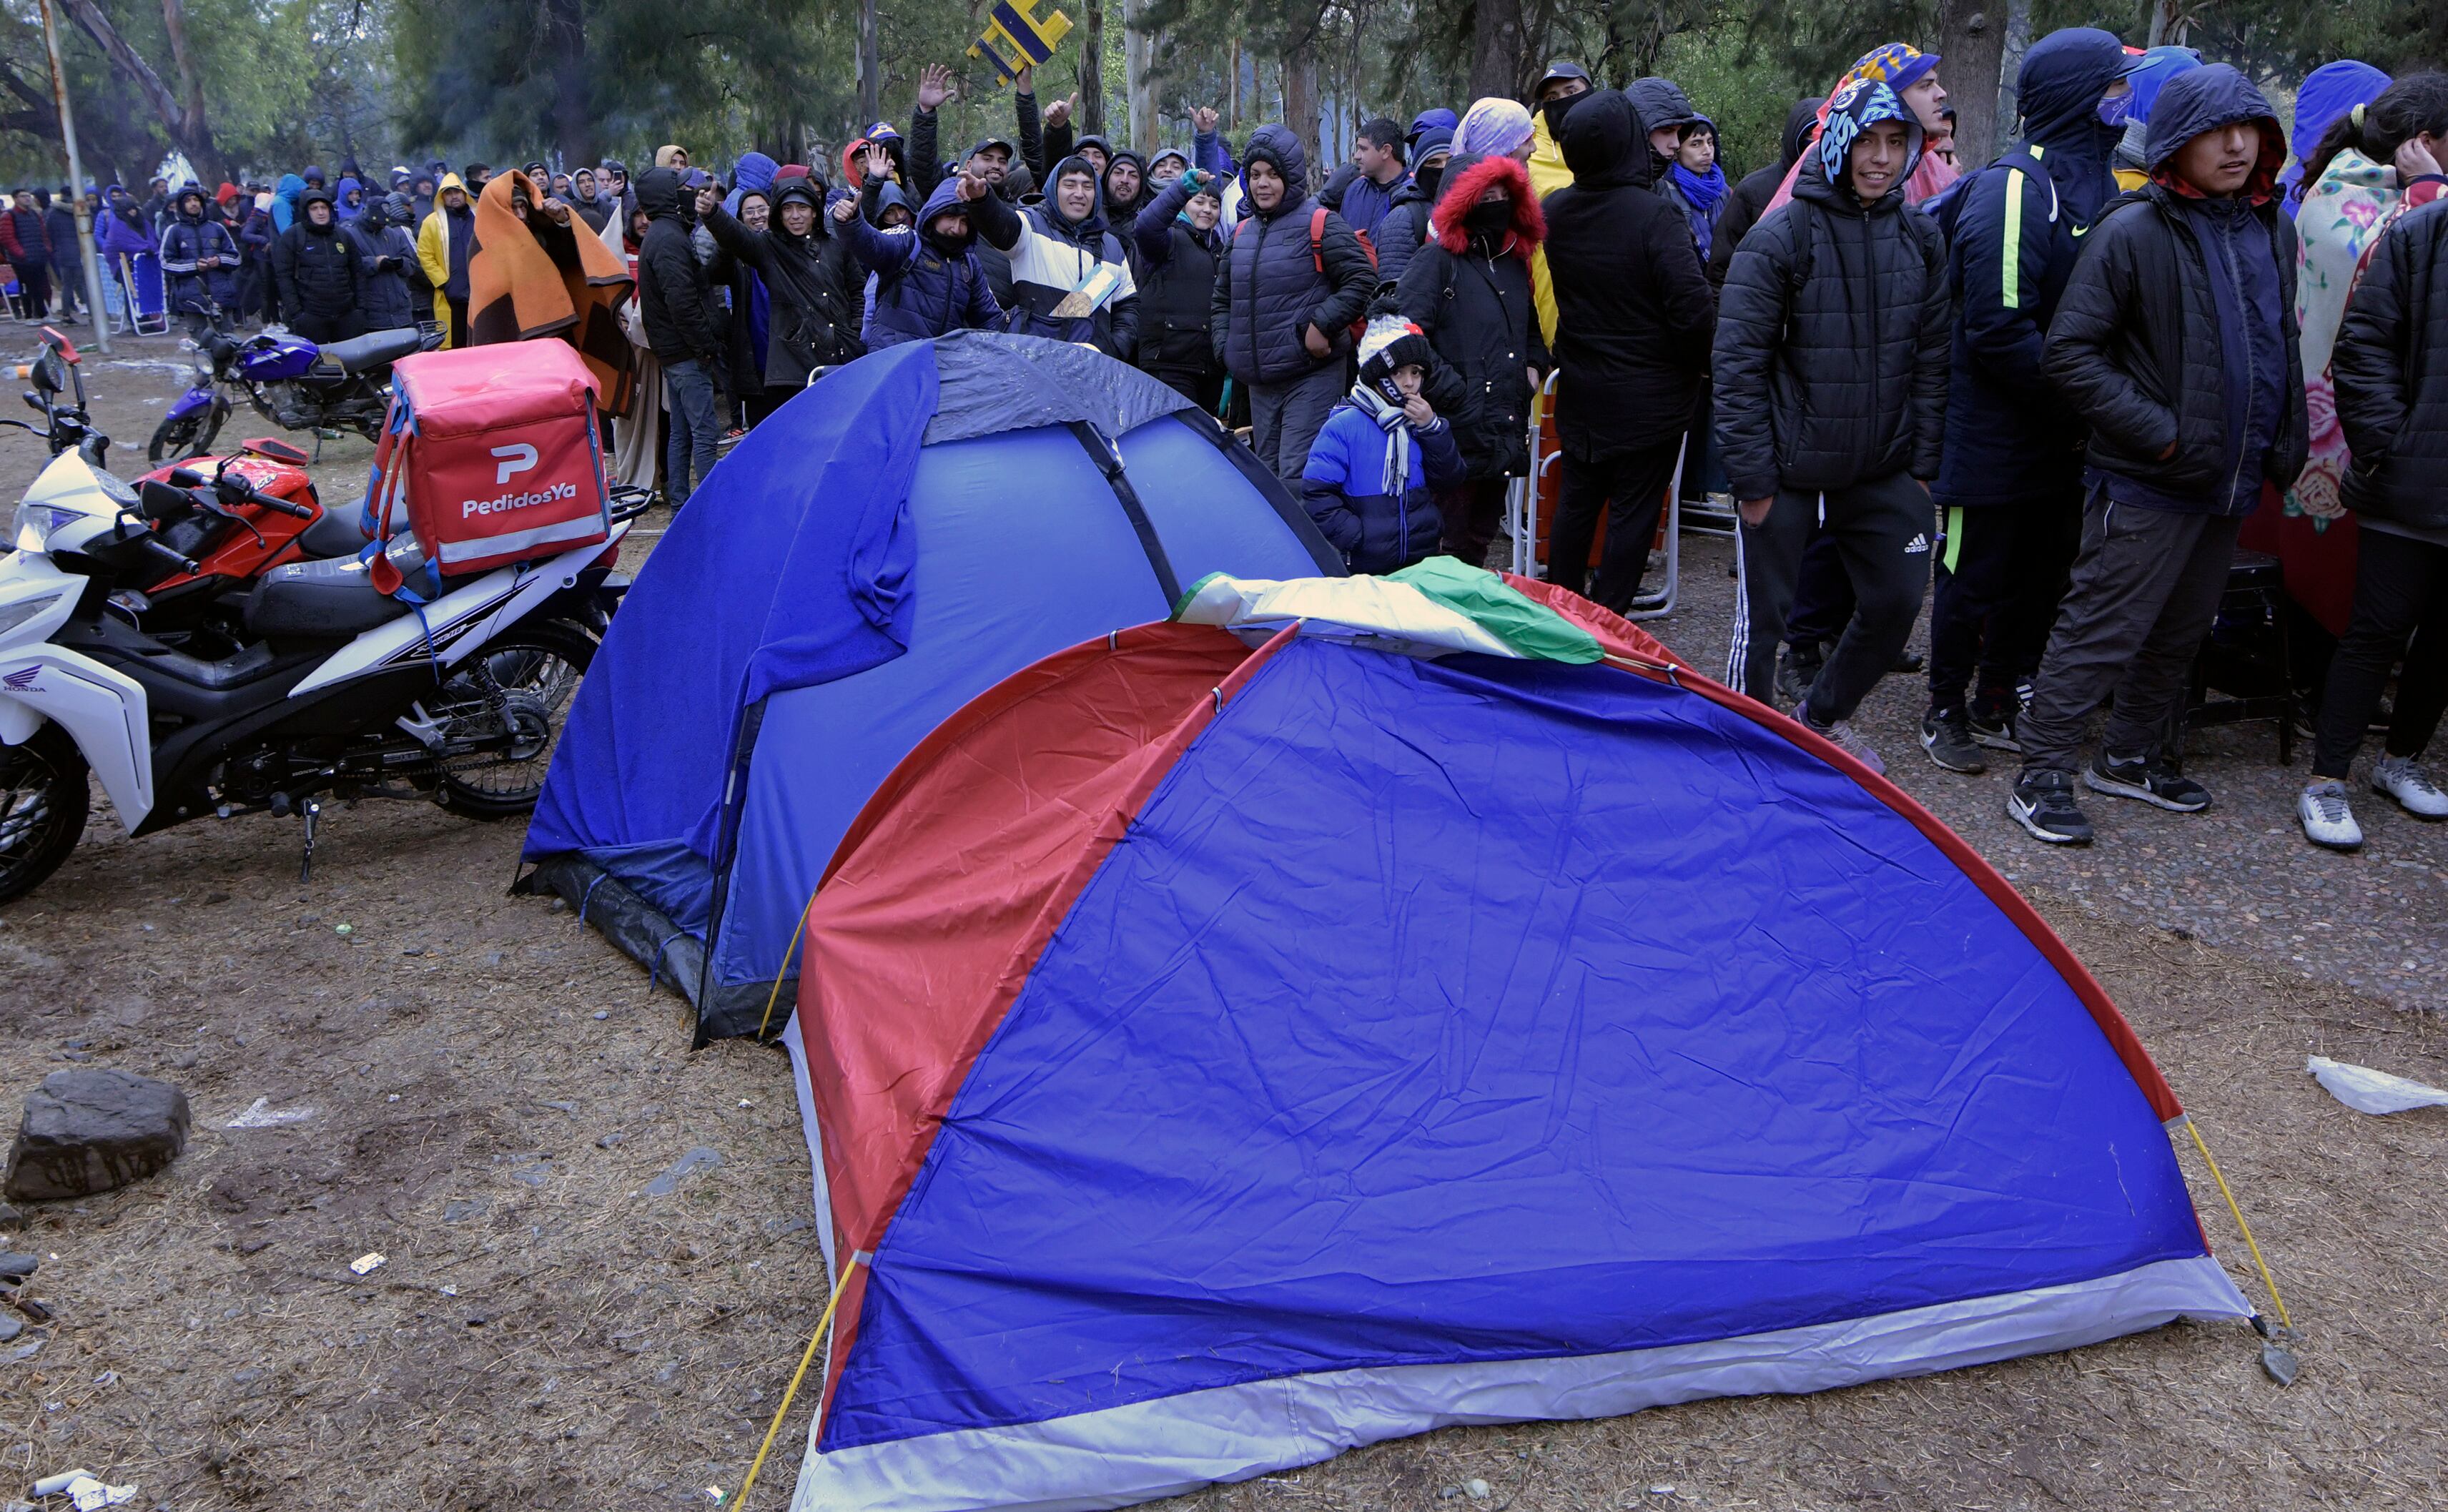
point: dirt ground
(486, 1092)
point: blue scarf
(1701, 192)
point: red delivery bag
(492, 455)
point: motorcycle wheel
(190, 437)
(537, 667)
(43, 806)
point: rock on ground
(89, 1131)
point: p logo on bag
(521, 457)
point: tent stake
(796, 1376)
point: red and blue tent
(888, 545)
(1355, 1007)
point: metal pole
(76, 189)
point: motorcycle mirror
(59, 343)
(45, 373)
(158, 501)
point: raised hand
(934, 85)
(1202, 120)
(879, 160)
(973, 188)
(1025, 79)
(1060, 110)
(843, 210)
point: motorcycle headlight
(34, 524)
(13, 615)
(116, 490)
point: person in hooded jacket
(2009, 488)
(1070, 279)
(348, 200)
(1127, 189)
(1383, 455)
(199, 259)
(1404, 230)
(676, 305)
(1831, 388)
(924, 279)
(1632, 328)
(317, 272)
(1468, 291)
(441, 253)
(812, 279)
(1178, 247)
(1292, 279)
(2391, 365)
(120, 237)
(594, 208)
(390, 287)
(1748, 199)
(2175, 341)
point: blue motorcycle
(292, 381)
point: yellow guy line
(2267, 1279)
(784, 969)
(801, 1374)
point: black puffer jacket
(1269, 285)
(1180, 278)
(814, 285)
(2135, 344)
(674, 302)
(2390, 368)
(1832, 338)
(316, 266)
(1633, 312)
(1404, 231)
(1469, 293)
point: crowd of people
(2042, 395)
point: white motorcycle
(324, 685)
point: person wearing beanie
(1468, 290)
(1405, 229)
(2176, 342)
(2009, 488)
(1371, 475)
(1913, 75)
(1126, 188)
(1831, 374)
(1363, 190)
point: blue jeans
(688, 393)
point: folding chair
(1531, 502)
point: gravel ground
(490, 1097)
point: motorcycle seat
(372, 350)
(332, 599)
(334, 535)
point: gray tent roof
(988, 382)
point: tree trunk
(871, 68)
(1497, 48)
(1301, 103)
(573, 124)
(186, 124)
(2010, 68)
(1091, 68)
(1146, 95)
(1972, 39)
(1232, 85)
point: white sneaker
(2412, 787)
(2327, 818)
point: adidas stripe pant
(1883, 529)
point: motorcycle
(292, 382)
(322, 685)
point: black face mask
(1489, 218)
(1554, 110)
(947, 245)
(1427, 176)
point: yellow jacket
(433, 250)
(1547, 175)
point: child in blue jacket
(1382, 451)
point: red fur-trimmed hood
(1465, 179)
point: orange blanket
(530, 278)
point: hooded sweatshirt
(674, 300)
(2011, 438)
(1831, 353)
(316, 269)
(1634, 315)
(284, 201)
(441, 246)
(815, 282)
(2329, 91)
(2175, 337)
(341, 209)
(754, 173)
(192, 237)
(1898, 67)
(922, 284)
(1178, 262)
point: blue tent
(1215, 1057)
(888, 545)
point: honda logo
(21, 680)
(517, 458)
